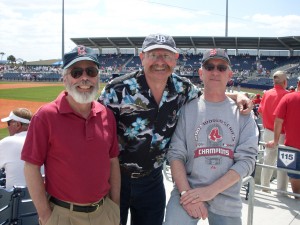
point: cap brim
(78, 59)
(160, 46)
(217, 57)
(5, 119)
(12, 116)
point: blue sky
(31, 29)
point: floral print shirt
(144, 127)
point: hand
(271, 144)
(202, 194)
(244, 103)
(43, 220)
(196, 210)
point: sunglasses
(9, 122)
(211, 67)
(78, 72)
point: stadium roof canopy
(197, 42)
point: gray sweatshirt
(210, 139)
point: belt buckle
(135, 175)
(96, 204)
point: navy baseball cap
(215, 53)
(155, 41)
(79, 53)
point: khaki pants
(270, 158)
(106, 214)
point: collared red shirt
(144, 127)
(268, 104)
(288, 109)
(76, 151)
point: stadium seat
(16, 207)
(6, 206)
(2, 178)
(24, 211)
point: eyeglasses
(211, 67)
(90, 71)
(165, 57)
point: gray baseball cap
(155, 41)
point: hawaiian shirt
(144, 127)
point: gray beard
(82, 98)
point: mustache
(163, 66)
(83, 82)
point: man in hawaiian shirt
(146, 105)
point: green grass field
(47, 94)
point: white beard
(82, 97)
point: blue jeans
(176, 215)
(145, 198)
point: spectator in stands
(257, 99)
(266, 109)
(292, 89)
(287, 113)
(146, 104)
(75, 138)
(213, 148)
(11, 146)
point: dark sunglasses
(9, 122)
(90, 71)
(211, 67)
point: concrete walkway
(269, 209)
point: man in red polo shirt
(266, 109)
(75, 138)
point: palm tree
(2, 54)
(11, 59)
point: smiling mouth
(84, 87)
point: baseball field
(32, 95)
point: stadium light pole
(226, 22)
(63, 31)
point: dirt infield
(7, 105)
(26, 85)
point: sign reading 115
(287, 158)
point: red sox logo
(214, 135)
(213, 52)
(81, 50)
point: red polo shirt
(76, 151)
(268, 104)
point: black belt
(77, 208)
(135, 174)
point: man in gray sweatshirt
(213, 148)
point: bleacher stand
(249, 71)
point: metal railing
(277, 168)
(251, 187)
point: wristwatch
(182, 193)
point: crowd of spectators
(247, 68)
